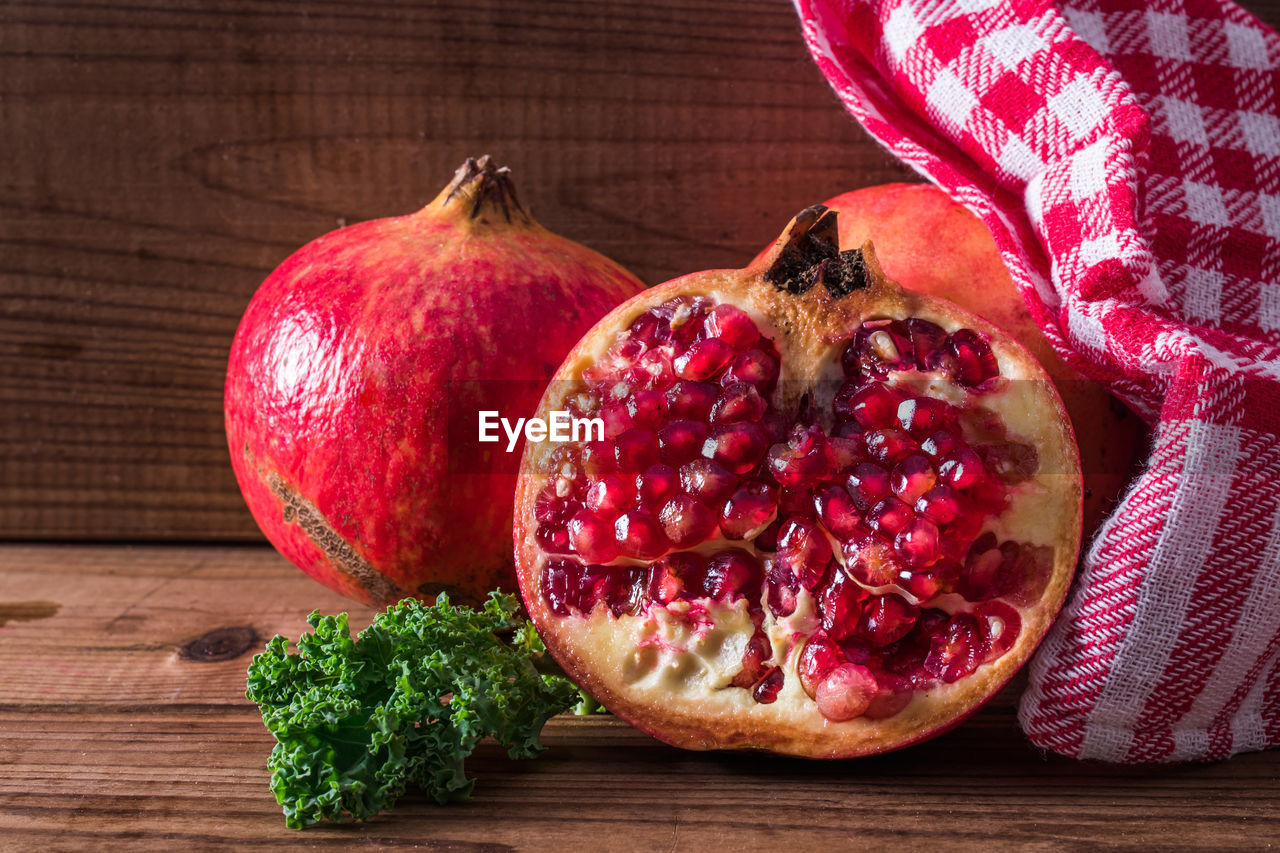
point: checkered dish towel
(1126, 157)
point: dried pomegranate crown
(828, 516)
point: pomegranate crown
(810, 253)
(483, 190)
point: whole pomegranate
(359, 370)
(823, 515)
(930, 244)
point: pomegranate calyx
(811, 254)
(483, 188)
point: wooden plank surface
(124, 727)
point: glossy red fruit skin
(351, 357)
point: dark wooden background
(159, 158)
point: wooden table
(123, 725)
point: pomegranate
(358, 372)
(835, 570)
(908, 223)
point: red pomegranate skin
(355, 352)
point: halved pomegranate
(842, 514)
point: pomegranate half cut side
(828, 517)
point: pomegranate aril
(748, 510)
(649, 329)
(894, 695)
(653, 369)
(557, 588)
(686, 521)
(782, 587)
(846, 452)
(676, 576)
(680, 441)
(732, 325)
(635, 450)
(639, 535)
(738, 402)
(889, 445)
(912, 477)
(803, 550)
(592, 537)
(553, 539)
(758, 651)
(840, 605)
(837, 512)
(766, 692)
(655, 486)
(956, 650)
(867, 484)
(963, 469)
(767, 541)
(889, 517)
(598, 458)
(616, 587)
(917, 543)
(924, 584)
(846, 692)
(926, 339)
(941, 443)
(755, 366)
(610, 495)
(776, 425)
(974, 362)
(616, 418)
(703, 359)
(796, 502)
(548, 506)
(878, 347)
(886, 619)
(872, 563)
(737, 447)
(707, 480)
(803, 460)
(1000, 625)
(691, 400)
(648, 409)
(922, 416)
(819, 657)
(733, 574)
(874, 406)
(940, 505)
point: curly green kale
(358, 721)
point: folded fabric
(1126, 157)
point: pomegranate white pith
(830, 517)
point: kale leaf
(358, 721)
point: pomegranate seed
(845, 453)
(686, 521)
(917, 543)
(553, 539)
(889, 445)
(840, 604)
(963, 469)
(649, 329)
(738, 402)
(733, 574)
(999, 624)
(676, 576)
(758, 651)
(837, 512)
(846, 692)
(889, 517)
(876, 349)
(926, 339)
(941, 443)
(653, 368)
(687, 319)
(803, 550)
(598, 459)
(648, 409)
(872, 563)
(748, 511)
(691, 400)
(658, 484)
(766, 692)
(680, 441)
(975, 363)
(924, 584)
(738, 447)
(614, 586)
(556, 587)
(592, 538)
(703, 359)
(782, 589)
(707, 481)
(912, 477)
(940, 505)
(639, 535)
(867, 484)
(610, 495)
(957, 650)
(875, 406)
(776, 425)
(1011, 462)
(886, 619)
(548, 506)
(755, 366)
(922, 416)
(617, 420)
(635, 450)
(803, 460)
(819, 657)
(768, 538)
(894, 695)
(732, 325)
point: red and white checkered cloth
(1126, 156)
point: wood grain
(116, 739)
